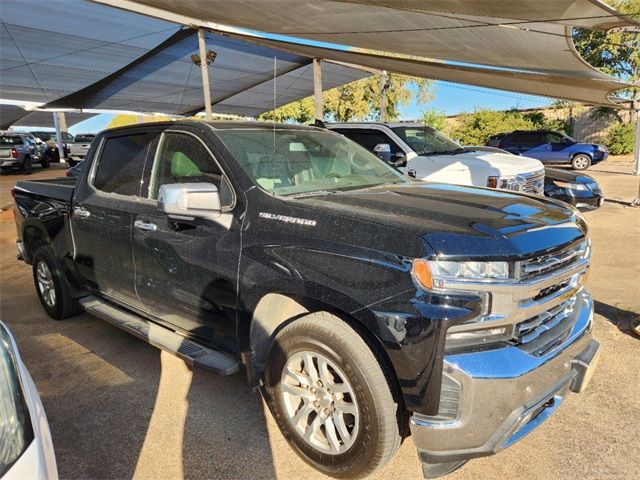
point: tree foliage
(621, 138)
(359, 100)
(476, 128)
(435, 118)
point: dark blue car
(550, 147)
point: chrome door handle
(149, 227)
(81, 212)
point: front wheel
(581, 162)
(331, 398)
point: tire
(52, 286)
(26, 168)
(355, 393)
(45, 163)
(581, 162)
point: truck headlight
(16, 433)
(433, 273)
(571, 186)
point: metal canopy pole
(57, 122)
(205, 73)
(317, 89)
(636, 156)
(383, 96)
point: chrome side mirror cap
(383, 152)
(186, 201)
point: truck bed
(60, 189)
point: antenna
(275, 79)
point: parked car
(50, 139)
(363, 305)
(19, 151)
(26, 449)
(551, 147)
(429, 155)
(577, 189)
(80, 146)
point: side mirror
(186, 201)
(383, 151)
(399, 160)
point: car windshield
(10, 140)
(425, 140)
(84, 138)
(44, 136)
(295, 162)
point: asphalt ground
(119, 408)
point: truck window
(9, 140)
(182, 158)
(369, 138)
(121, 163)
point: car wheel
(331, 398)
(45, 163)
(26, 166)
(52, 286)
(581, 162)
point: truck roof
(222, 125)
(387, 124)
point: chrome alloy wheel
(581, 162)
(319, 402)
(45, 284)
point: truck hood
(490, 163)
(454, 220)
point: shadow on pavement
(619, 317)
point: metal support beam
(58, 122)
(636, 154)
(383, 96)
(204, 68)
(317, 89)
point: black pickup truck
(365, 307)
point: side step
(191, 352)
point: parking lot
(119, 408)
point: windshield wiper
(314, 193)
(455, 151)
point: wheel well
(274, 311)
(574, 155)
(33, 239)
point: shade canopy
(16, 116)
(531, 40)
(166, 79)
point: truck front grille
(540, 334)
(551, 262)
(533, 183)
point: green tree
(357, 100)
(435, 118)
(621, 138)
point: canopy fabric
(594, 91)
(16, 116)
(522, 36)
(50, 48)
(166, 80)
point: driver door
(186, 268)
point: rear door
(186, 269)
(102, 213)
(533, 144)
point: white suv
(426, 154)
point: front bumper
(506, 393)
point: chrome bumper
(506, 393)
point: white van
(426, 154)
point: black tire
(63, 304)
(378, 433)
(44, 162)
(581, 162)
(26, 168)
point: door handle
(148, 227)
(81, 212)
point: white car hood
(489, 163)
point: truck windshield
(294, 162)
(425, 140)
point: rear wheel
(581, 162)
(26, 165)
(331, 398)
(51, 285)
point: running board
(191, 352)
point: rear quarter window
(122, 161)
